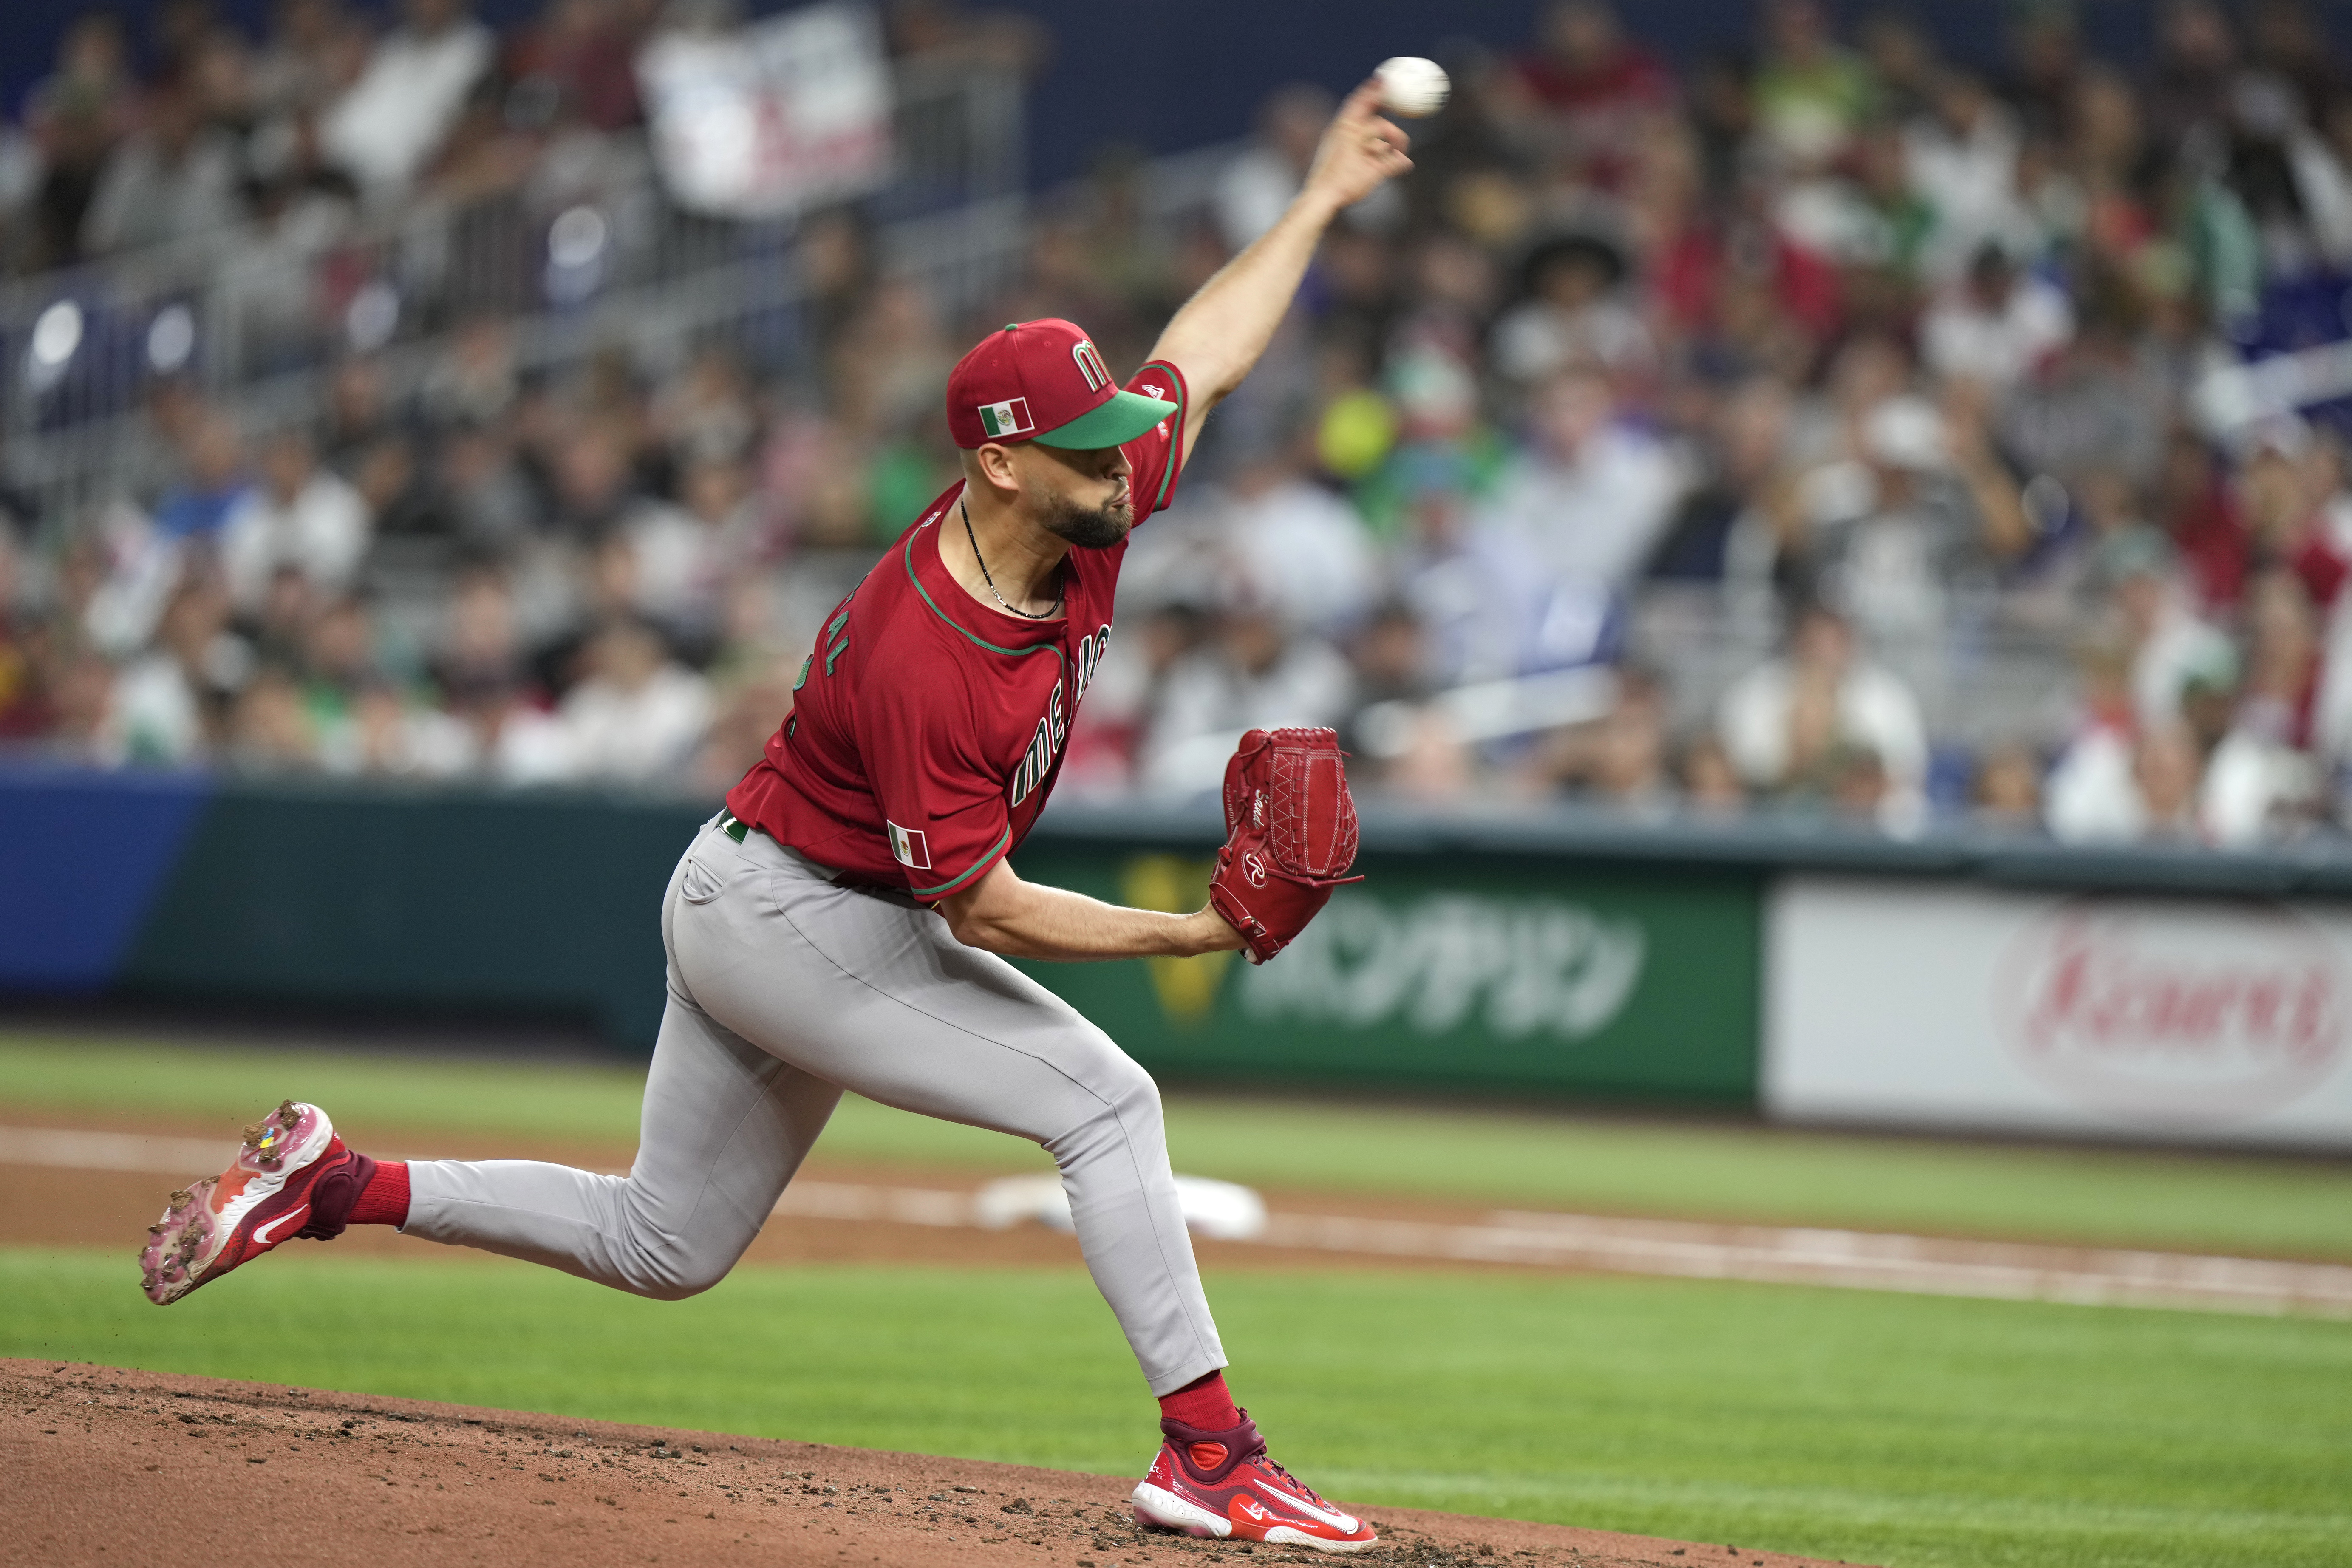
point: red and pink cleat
(293, 1177)
(1222, 1486)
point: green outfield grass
(1876, 1429)
(2239, 1204)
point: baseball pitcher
(844, 923)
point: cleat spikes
(219, 1223)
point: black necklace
(1045, 615)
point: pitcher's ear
(994, 466)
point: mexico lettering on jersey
(927, 729)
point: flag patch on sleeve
(1010, 417)
(908, 847)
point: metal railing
(1983, 679)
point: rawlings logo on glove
(1290, 829)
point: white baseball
(1412, 86)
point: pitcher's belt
(738, 829)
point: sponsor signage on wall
(1522, 969)
(1462, 972)
(2207, 1020)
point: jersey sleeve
(1158, 455)
(943, 809)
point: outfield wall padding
(1963, 982)
(1469, 966)
(83, 858)
(526, 907)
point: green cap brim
(1127, 415)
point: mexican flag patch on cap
(1010, 417)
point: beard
(1087, 528)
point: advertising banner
(1463, 971)
(2209, 1020)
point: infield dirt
(106, 1466)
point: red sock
(384, 1200)
(1205, 1403)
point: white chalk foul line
(1853, 1259)
(77, 1151)
(1864, 1260)
(897, 1205)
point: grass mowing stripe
(1872, 1428)
(2067, 1518)
(232, 1085)
(2248, 1205)
(2099, 1196)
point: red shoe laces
(1289, 1478)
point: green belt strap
(733, 826)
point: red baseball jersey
(927, 728)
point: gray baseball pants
(783, 991)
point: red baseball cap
(1044, 382)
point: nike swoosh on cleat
(261, 1232)
(1332, 1517)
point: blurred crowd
(1860, 351)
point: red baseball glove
(1290, 830)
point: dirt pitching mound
(104, 1465)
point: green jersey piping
(1175, 448)
(909, 554)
